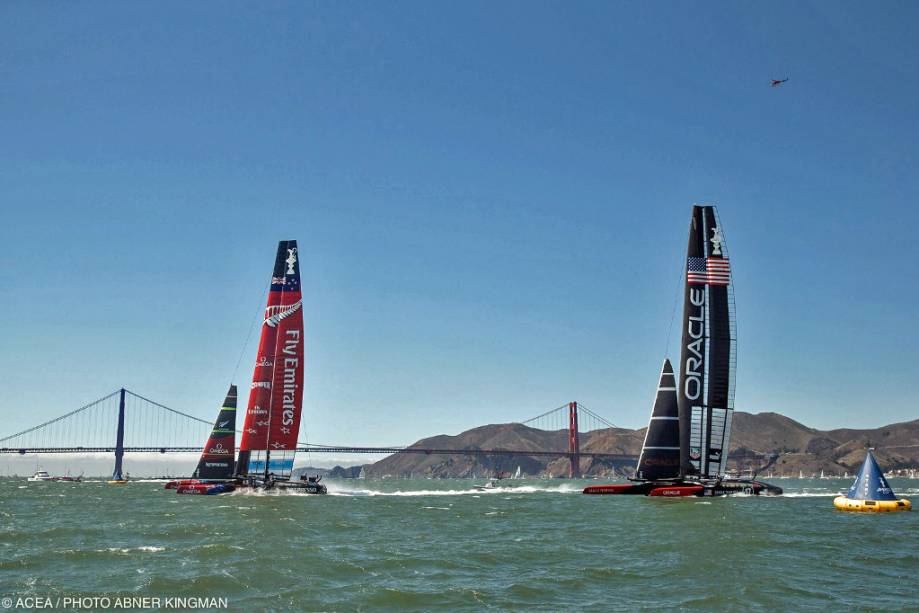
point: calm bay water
(426, 544)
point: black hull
(301, 487)
(753, 487)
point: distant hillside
(798, 449)
(338, 472)
(810, 451)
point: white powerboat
(492, 484)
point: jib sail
(660, 453)
(269, 438)
(708, 353)
(217, 458)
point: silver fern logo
(276, 313)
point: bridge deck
(333, 449)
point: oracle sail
(708, 352)
(217, 457)
(660, 452)
(686, 446)
(272, 423)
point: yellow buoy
(872, 506)
(871, 493)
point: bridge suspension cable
(147, 424)
(48, 423)
(559, 419)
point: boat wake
(524, 489)
(810, 494)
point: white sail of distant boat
(822, 476)
(800, 474)
(518, 474)
(362, 474)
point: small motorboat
(492, 484)
(42, 475)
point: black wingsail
(660, 453)
(708, 352)
(217, 458)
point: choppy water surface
(425, 544)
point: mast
(276, 396)
(705, 392)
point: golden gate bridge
(125, 422)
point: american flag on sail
(711, 271)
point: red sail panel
(276, 397)
(287, 385)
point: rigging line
(676, 297)
(249, 334)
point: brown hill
(794, 449)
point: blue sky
(491, 203)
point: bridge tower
(574, 449)
(119, 440)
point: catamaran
(272, 419)
(272, 423)
(685, 449)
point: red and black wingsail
(660, 453)
(269, 438)
(708, 353)
(217, 458)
